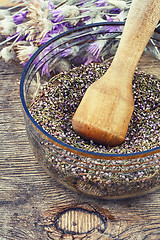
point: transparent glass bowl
(108, 176)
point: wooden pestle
(107, 106)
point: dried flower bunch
(29, 24)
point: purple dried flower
(64, 12)
(46, 38)
(51, 5)
(116, 11)
(16, 35)
(66, 52)
(112, 28)
(45, 69)
(58, 28)
(70, 51)
(96, 47)
(58, 15)
(68, 25)
(19, 18)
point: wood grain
(34, 207)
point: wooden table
(35, 207)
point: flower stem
(6, 3)
(19, 11)
(16, 36)
(7, 40)
(19, 5)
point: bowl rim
(58, 142)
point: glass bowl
(104, 175)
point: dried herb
(54, 109)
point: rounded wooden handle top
(141, 22)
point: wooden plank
(35, 207)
